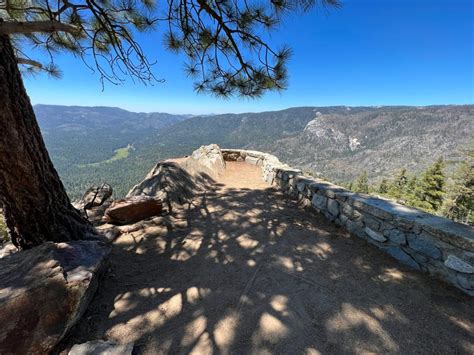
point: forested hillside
(93, 144)
(90, 145)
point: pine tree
(410, 197)
(398, 187)
(430, 190)
(362, 183)
(459, 204)
(383, 187)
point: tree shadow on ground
(246, 271)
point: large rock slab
(44, 291)
(133, 209)
(207, 160)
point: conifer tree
(362, 183)
(398, 186)
(383, 187)
(430, 190)
(459, 204)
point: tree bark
(35, 204)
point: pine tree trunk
(35, 204)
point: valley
(90, 145)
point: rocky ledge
(44, 291)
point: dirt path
(243, 270)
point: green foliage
(459, 204)
(430, 190)
(383, 187)
(362, 183)
(225, 42)
(398, 186)
(434, 192)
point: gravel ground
(243, 270)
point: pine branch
(11, 27)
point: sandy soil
(243, 270)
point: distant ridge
(337, 142)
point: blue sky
(369, 52)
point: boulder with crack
(44, 291)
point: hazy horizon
(244, 112)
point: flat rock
(455, 263)
(101, 347)
(44, 291)
(424, 245)
(374, 235)
(403, 257)
(133, 209)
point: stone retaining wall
(425, 242)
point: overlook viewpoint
(242, 269)
(237, 265)
(288, 177)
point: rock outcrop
(94, 196)
(175, 182)
(133, 209)
(44, 291)
(207, 160)
(94, 202)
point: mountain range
(93, 144)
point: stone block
(371, 222)
(403, 257)
(374, 235)
(350, 211)
(422, 244)
(333, 207)
(253, 160)
(457, 264)
(457, 234)
(319, 201)
(396, 236)
(355, 229)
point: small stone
(455, 263)
(374, 235)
